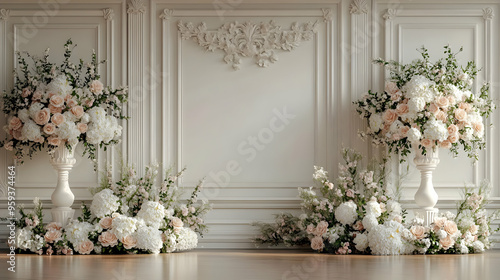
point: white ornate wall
(256, 132)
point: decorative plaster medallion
(4, 14)
(358, 7)
(108, 14)
(166, 14)
(390, 14)
(488, 13)
(136, 6)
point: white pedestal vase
(426, 197)
(62, 198)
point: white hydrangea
(346, 213)
(70, 116)
(85, 118)
(376, 122)
(393, 207)
(420, 87)
(361, 242)
(102, 129)
(386, 240)
(60, 86)
(152, 213)
(149, 238)
(77, 232)
(25, 240)
(372, 208)
(414, 135)
(23, 115)
(186, 240)
(478, 246)
(68, 130)
(468, 134)
(31, 130)
(104, 203)
(97, 114)
(123, 226)
(454, 91)
(369, 222)
(415, 105)
(435, 130)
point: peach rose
(310, 229)
(42, 117)
(51, 94)
(54, 141)
(433, 108)
(443, 102)
(96, 87)
(71, 103)
(402, 109)
(460, 115)
(26, 92)
(427, 143)
(349, 193)
(67, 251)
(89, 102)
(130, 242)
(17, 134)
(82, 127)
(391, 88)
(317, 243)
(77, 111)
(39, 139)
(85, 247)
(454, 138)
(37, 95)
(9, 146)
(56, 101)
(55, 110)
(473, 229)
(321, 228)
(358, 226)
(445, 144)
(439, 223)
(396, 96)
(390, 116)
(106, 222)
(163, 238)
(53, 235)
(441, 116)
(404, 130)
(15, 123)
(452, 129)
(49, 128)
(58, 119)
(450, 227)
(465, 106)
(478, 127)
(176, 222)
(451, 100)
(447, 242)
(108, 238)
(53, 226)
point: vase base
(428, 214)
(62, 215)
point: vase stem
(62, 198)
(426, 197)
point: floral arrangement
(358, 215)
(53, 105)
(427, 105)
(132, 215)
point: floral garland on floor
(129, 216)
(52, 105)
(357, 215)
(427, 105)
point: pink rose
(433, 108)
(58, 119)
(53, 226)
(67, 251)
(445, 144)
(49, 128)
(321, 228)
(18, 135)
(439, 223)
(465, 106)
(54, 141)
(390, 116)
(391, 88)
(89, 102)
(108, 238)
(82, 127)
(53, 236)
(454, 138)
(427, 143)
(9, 146)
(56, 101)
(26, 92)
(85, 247)
(404, 130)
(478, 127)
(55, 110)
(176, 222)
(310, 229)
(49, 251)
(443, 102)
(450, 227)
(441, 116)
(418, 231)
(447, 242)
(349, 193)
(96, 87)
(106, 222)
(15, 123)
(460, 115)
(129, 242)
(71, 103)
(77, 111)
(358, 226)
(452, 129)
(42, 117)
(317, 243)
(402, 109)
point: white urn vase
(62, 198)
(426, 197)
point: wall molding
(358, 7)
(4, 14)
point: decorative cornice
(258, 40)
(136, 7)
(166, 14)
(488, 13)
(390, 14)
(327, 15)
(358, 7)
(108, 14)
(4, 14)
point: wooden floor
(253, 264)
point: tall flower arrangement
(52, 105)
(131, 215)
(427, 104)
